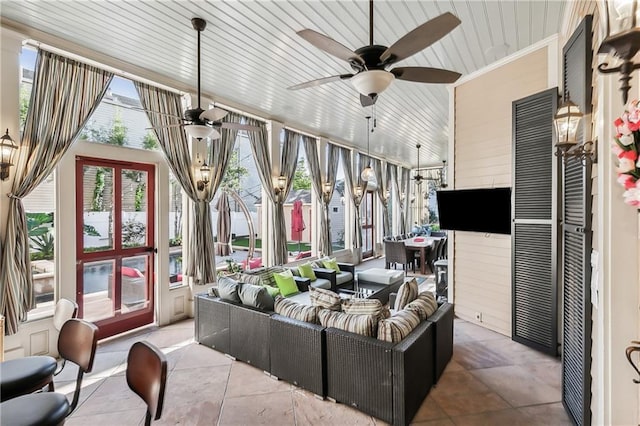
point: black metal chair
(396, 252)
(77, 343)
(30, 374)
(147, 377)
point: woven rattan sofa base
(443, 338)
(388, 381)
(212, 323)
(298, 353)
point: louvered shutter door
(576, 239)
(534, 235)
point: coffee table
(369, 290)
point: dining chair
(30, 374)
(147, 377)
(77, 343)
(397, 252)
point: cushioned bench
(380, 276)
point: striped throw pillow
(359, 324)
(398, 327)
(326, 299)
(266, 274)
(365, 307)
(424, 305)
(406, 293)
(291, 309)
(250, 279)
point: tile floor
(491, 380)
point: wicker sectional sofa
(386, 380)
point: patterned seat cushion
(406, 293)
(326, 299)
(365, 307)
(291, 309)
(397, 327)
(359, 324)
(265, 274)
(424, 305)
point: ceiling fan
(199, 123)
(370, 62)
(435, 174)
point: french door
(367, 224)
(114, 243)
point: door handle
(628, 352)
(151, 249)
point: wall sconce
(358, 191)
(279, 185)
(622, 39)
(566, 122)
(8, 147)
(326, 188)
(205, 176)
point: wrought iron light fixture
(358, 191)
(566, 122)
(205, 176)
(8, 148)
(622, 39)
(279, 185)
(368, 175)
(437, 175)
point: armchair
(342, 279)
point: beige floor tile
(269, 409)
(120, 418)
(546, 414)
(104, 365)
(458, 382)
(198, 412)
(453, 366)
(124, 343)
(113, 395)
(195, 355)
(188, 386)
(517, 385)
(309, 410)
(439, 422)
(459, 404)
(89, 386)
(247, 380)
(510, 417)
(429, 410)
(465, 331)
(172, 337)
(472, 355)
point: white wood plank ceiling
(251, 53)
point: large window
(337, 209)
(175, 231)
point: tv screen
(479, 210)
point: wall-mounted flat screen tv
(479, 210)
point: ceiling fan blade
(164, 127)
(156, 112)
(366, 101)
(425, 75)
(214, 114)
(420, 38)
(330, 46)
(238, 126)
(320, 81)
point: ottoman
(381, 282)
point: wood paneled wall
(483, 159)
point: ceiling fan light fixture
(199, 131)
(372, 82)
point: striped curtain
(353, 182)
(289, 161)
(383, 176)
(64, 95)
(318, 177)
(406, 188)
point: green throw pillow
(306, 271)
(273, 291)
(286, 283)
(331, 264)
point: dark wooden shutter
(534, 230)
(576, 238)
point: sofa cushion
(273, 291)
(285, 282)
(228, 289)
(306, 271)
(323, 298)
(266, 274)
(343, 277)
(365, 307)
(250, 279)
(291, 309)
(359, 324)
(331, 264)
(321, 283)
(256, 296)
(424, 305)
(406, 293)
(397, 327)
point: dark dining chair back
(147, 377)
(77, 343)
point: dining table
(421, 244)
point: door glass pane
(97, 208)
(98, 292)
(134, 283)
(134, 208)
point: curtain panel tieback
(14, 197)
